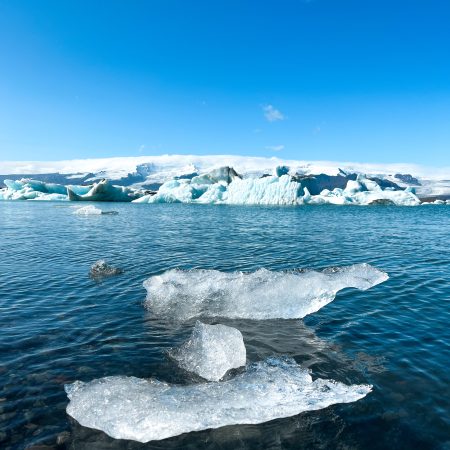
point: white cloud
(275, 148)
(272, 114)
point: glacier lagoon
(58, 325)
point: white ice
(146, 410)
(91, 210)
(264, 294)
(211, 351)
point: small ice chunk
(91, 210)
(146, 410)
(101, 269)
(211, 351)
(263, 294)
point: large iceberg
(145, 410)
(27, 189)
(263, 294)
(104, 191)
(281, 189)
(211, 351)
(224, 185)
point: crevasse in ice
(211, 351)
(145, 410)
(263, 294)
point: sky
(346, 80)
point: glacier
(211, 351)
(264, 294)
(144, 410)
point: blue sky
(341, 80)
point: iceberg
(27, 189)
(223, 185)
(264, 294)
(211, 351)
(101, 269)
(104, 191)
(145, 410)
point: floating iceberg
(104, 191)
(280, 189)
(91, 210)
(211, 351)
(101, 269)
(27, 189)
(145, 410)
(224, 185)
(264, 294)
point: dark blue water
(57, 325)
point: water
(57, 325)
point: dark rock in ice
(407, 178)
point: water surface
(57, 325)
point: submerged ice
(211, 351)
(101, 269)
(263, 294)
(145, 410)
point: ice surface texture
(145, 410)
(264, 294)
(211, 351)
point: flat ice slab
(91, 210)
(211, 351)
(263, 294)
(146, 410)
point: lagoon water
(57, 325)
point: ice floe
(263, 294)
(211, 351)
(91, 210)
(145, 410)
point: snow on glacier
(264, 294)
(211, 351)
(146, 410)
